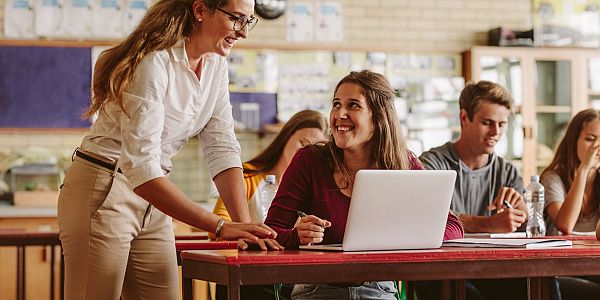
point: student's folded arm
(454, 228)
(474, 223)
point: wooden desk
(21, 238)
(235, 268)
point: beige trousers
(114, 242)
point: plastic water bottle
(534, 199)
(266, 193)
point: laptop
(395, 210)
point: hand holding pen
(311, 229)
(508, 198)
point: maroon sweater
(308, 185)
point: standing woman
(573, 192)
(366, 134)
(165, 83)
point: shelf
(56, 43)
(247, 44)
(553, 109)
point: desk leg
(52, 271)
(62, 274)
(188, 288)
(20, 272)
(460, 289)
(446, 289)
(538, 287)
(233, 288)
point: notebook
(508, 243)
(396, 209)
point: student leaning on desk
(573, 192)
(366, 134)
(163, 84)
(484, 182)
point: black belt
(96, 161)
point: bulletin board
(44, 87)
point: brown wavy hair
(565, 161)
(389, 147)
(267, 158)
(165, 23)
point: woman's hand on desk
(261, 244)
(311, 229)
(250, 232)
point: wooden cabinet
(549, 86)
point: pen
(508, 204)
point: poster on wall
(300, 22)
(103, 10)
(253, 71)
(48, 18)
(134, 12)
(78, 18)
(18, 19)
(329, 27)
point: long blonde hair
(165, 23)
(389, 148)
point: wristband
(219, 227)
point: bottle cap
(535, 178)
(270, 179)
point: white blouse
(167, 105)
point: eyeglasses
(240, 22)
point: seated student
(365, 135)
(303, 128)
(573, 192)
(484, 181)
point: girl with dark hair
(165, 83)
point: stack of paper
(507, 243)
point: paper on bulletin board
(107, 18)
(48, 18)
(78, 18)
(133, 14)
(299, 23)
(18, 19)
(305, 82)
(329, 26)
(253, 71)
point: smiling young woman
(116, 204)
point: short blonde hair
(483, 91)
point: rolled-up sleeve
(142, 129)
(219, 143)
(454, 228)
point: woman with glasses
(165, 83)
